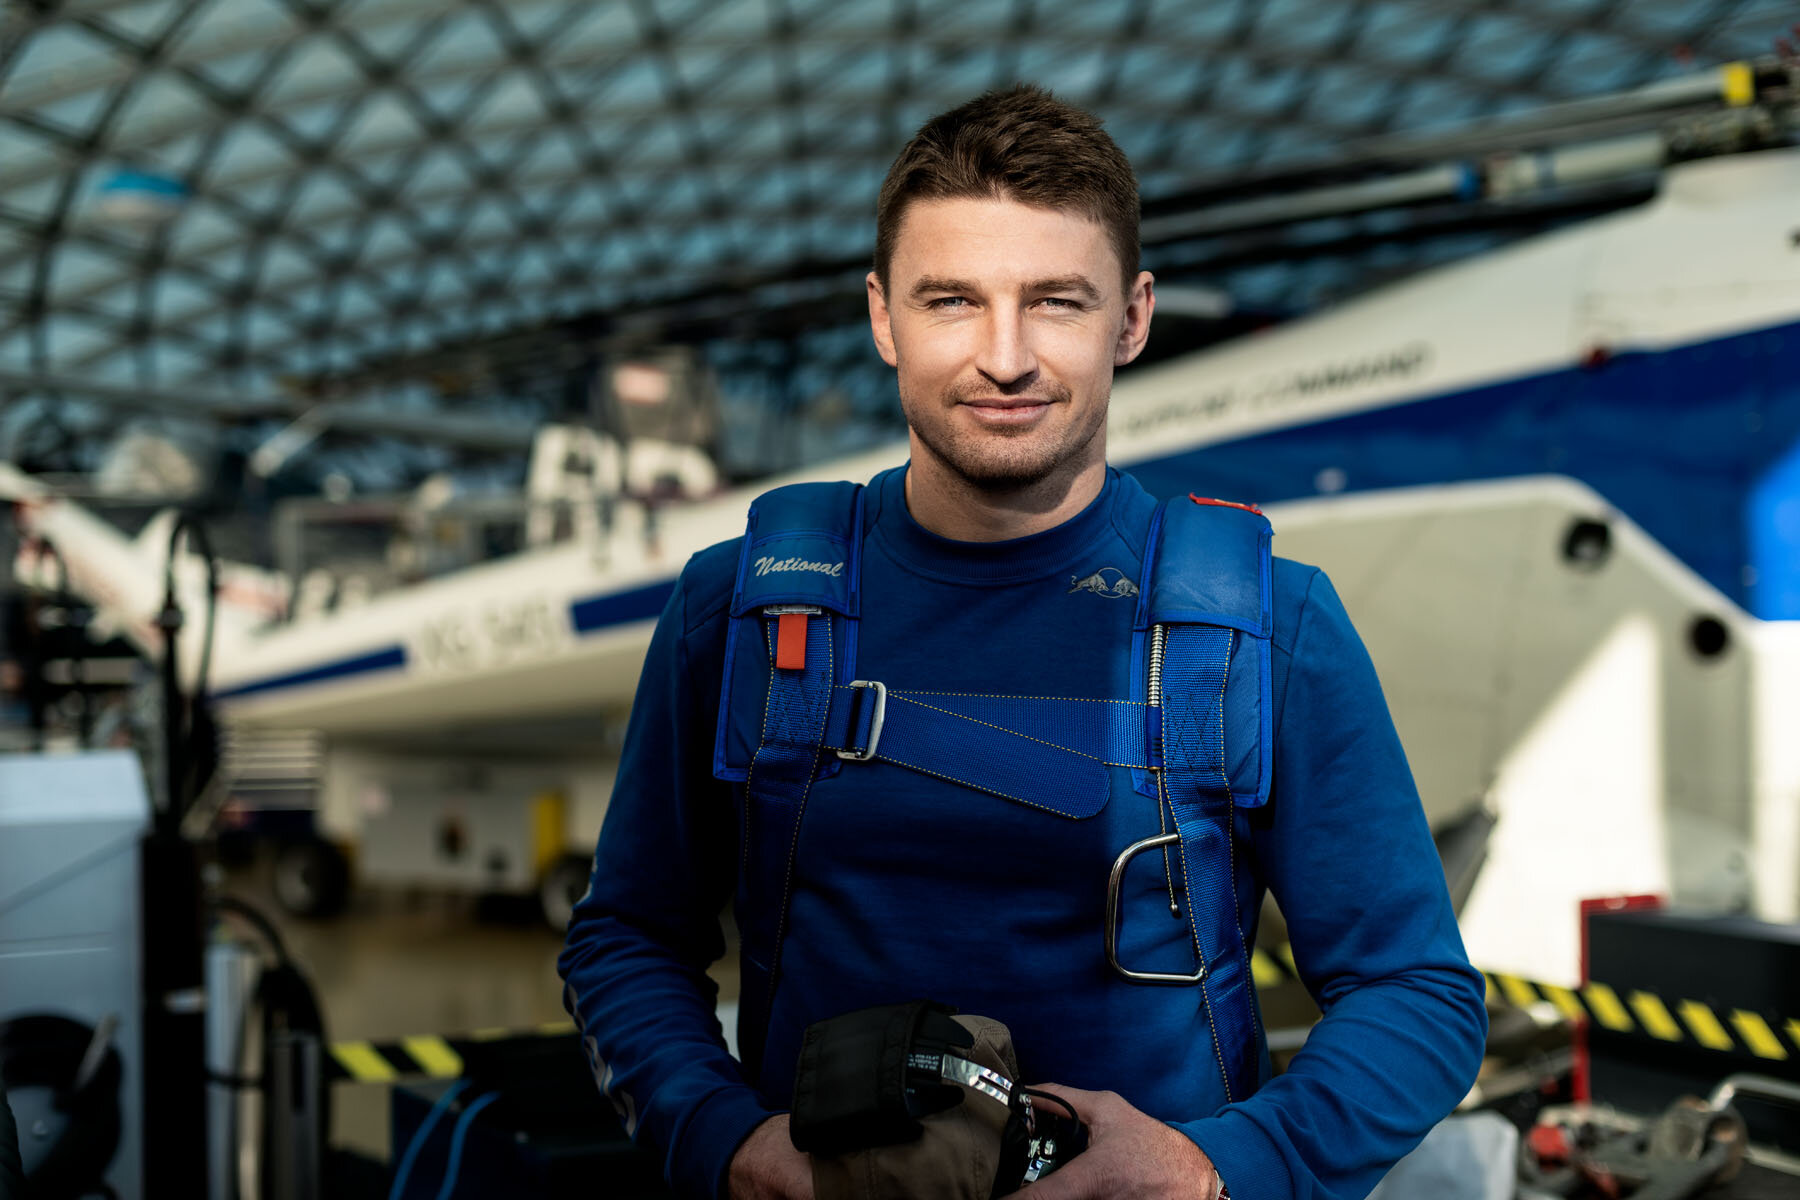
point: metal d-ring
(1114, 888)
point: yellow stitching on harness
(991, 725)
(1187, 884)
(1004, 729)
(965, 783)
(997, 696)
(787, 883)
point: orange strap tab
(1224, 503)
(790, 641)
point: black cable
(185, 725)
(190, 524)
(1054, 1098)
(286, 1002)
(174, 1041)
(254, 916)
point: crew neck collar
(1033, 556)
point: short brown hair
(1021, 144)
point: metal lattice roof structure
(238, 194)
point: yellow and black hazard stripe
(433, 1056)
(1273, 966)
(1772, 1037)
(428, 1056)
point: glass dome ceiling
(234, 195)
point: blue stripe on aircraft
(588, 616)
(1700, 445)
(618, 608)
(378, 660)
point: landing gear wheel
(312, 879)
(562, 888)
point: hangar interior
(369, 368)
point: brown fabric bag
(956, 1157)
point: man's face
(1005, 323)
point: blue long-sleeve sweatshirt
(907, 886)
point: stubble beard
(1001, 460)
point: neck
(952, 507)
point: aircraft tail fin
(123, 578)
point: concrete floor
(398, 964)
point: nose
(1006, 356)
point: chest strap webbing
(801, 552)
(1050, 752)
(1209, 573)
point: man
(1005, 292)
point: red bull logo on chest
(1107, 581)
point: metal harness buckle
(868, 752)
(1114, 890)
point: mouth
(1007, 410)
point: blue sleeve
(634, 963)
(1345, 849)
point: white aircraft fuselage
(1651, 356)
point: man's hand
(767, 1167)
(1130, 1156)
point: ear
(879, 322)
(1140, 302)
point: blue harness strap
(1206, 607)
(1045, 751)
(799, 563)
(1204, 611)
